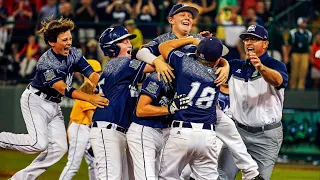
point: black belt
(259, 129)
(109, 126)
(188, 125)
(49, 98)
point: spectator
(251, 16)
(262, 12)
(66, 11)
(315, 23)
(3, 30)
(50, 9)
(146, 15)
(30, 55)
(224, 3)
(227, 15)
(136, 42)
(277, 45)
(163, 7)
(46, 11)
(315, 70)
(22, 14)
(300, 40)
(245, 5)
(3, 13)
(209, 15)
(12, 65)
(101, 14)
(93, 51)
(85, 15)
(234, 27)
(119, 10)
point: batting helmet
(110, 37)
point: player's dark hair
(52, 28)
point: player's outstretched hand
(99, 100)
(163, 69)
(178, 103)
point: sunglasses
(252, 39)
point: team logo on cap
(201, 56)
(251, 28)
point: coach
(256, 101)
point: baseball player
(40, 101)
(224, 105)
(192, 137)
(149, 129)
(181, 19)
(79, 131)
(118, 83)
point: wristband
(68, 92)
(145, 55)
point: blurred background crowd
(293, 25)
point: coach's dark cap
(257, 31)
(183, 7)
(211, 49)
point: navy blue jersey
(118, 83)
(224, 103)
(161, 94)
(53, 67)
(197, 81)
(153, 45)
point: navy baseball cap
(255, 30)
(211, 49)
(183, 7)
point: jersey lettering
(101, 83)
(205, 100)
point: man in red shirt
(315, 70)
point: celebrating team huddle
(168, 129)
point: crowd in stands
(293, 40)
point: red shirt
(315, 48)
(22, 21)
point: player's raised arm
(166, 47)
(94, 78)
(160, 65)
(70, 92)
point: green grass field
(13, 161)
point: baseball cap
(255, 30)
(211, 48)
(183, 7)
(95, 65)
(300, 20)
